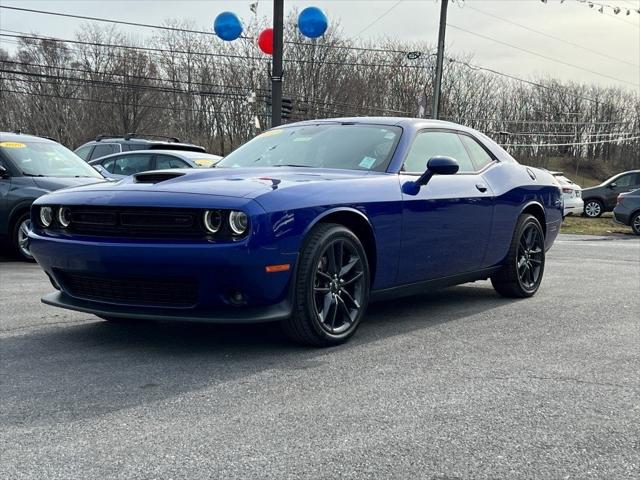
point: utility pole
(440, 58)
(276, 67)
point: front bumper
(216, 271)
(573, 206)
(269, 313)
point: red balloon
(265, 41)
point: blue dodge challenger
(305, 224)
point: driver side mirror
(613, 185)
(435, 166)
(4, 173)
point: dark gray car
(30, 167)
(602, 198)
(627, 210)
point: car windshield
(351, 147)
(46, 159)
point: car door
(624, 183)
(447, 225)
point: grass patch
(593, 226)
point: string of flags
(601, 7)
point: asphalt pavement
(457, 384)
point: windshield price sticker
(12, 145)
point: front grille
(144, 222)
(146, 291)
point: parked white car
(572, 194)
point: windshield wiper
(32, 174)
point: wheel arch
(537, 210)
(16, 212)
(359, 224)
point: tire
(329, 302)
(635, 223)
(521, 275)
(19, 240)
(593, 208)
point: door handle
(481, 186)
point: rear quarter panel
(515, 190)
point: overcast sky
(608, 34)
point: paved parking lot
(456, 384)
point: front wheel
(20, 237)
(331, 289)
(635, 223)
(521, 275)
(593, 208)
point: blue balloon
(312, 22)
(227, 26)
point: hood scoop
(155, 177)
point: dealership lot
(456, 384)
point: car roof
(20, 137)
(389, 121)
(186, 155)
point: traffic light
(287, 107)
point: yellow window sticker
(12, 145)
(203, 162)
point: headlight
(238, 222)
(212, 220)
(46, 216)
(64, 216)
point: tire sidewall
(305, 279)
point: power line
(379, 18)
(542, 145)
(605, 55)
(157, 51)
(531, 52)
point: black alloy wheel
(530, 257)
(522, 271)
(331, 290)
(338, 286)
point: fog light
(64, 216)
(46, 216)
(238, 222)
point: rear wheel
(522, 272)
(593, 208)
(635, 223)
(331, 289)
(20, 237)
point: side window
(626, 180)
(110, 164)
(478, 154)
(166, 161)
(83, 152)
(431, 144)
(104, 149)
(130, 164)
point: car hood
(229, 182)
(55, 183)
